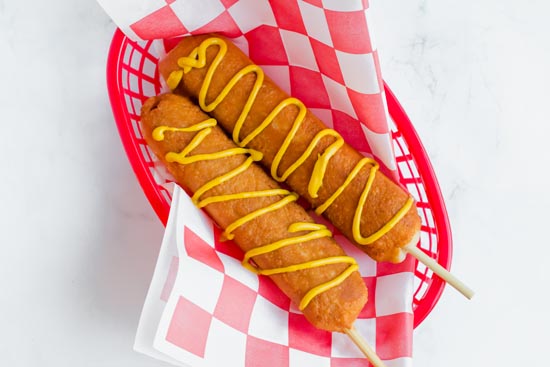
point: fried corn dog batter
(277, 234)
(365, 205)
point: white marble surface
(79, 240)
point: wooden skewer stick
(365, 348)
(439, 270)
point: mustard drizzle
(313, 230)
(197, 59)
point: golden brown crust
(385, 198)
(335, 309)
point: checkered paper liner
(323, 53)
(204, 309)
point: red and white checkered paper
(203, 308)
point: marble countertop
(79, 240)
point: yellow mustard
(313, 230)
(197, 59)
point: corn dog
(347, 188)
(279, 238)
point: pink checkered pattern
(322, 52)
(217, 311)
(318, 51)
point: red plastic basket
(132, 77)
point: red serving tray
(132, 77)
